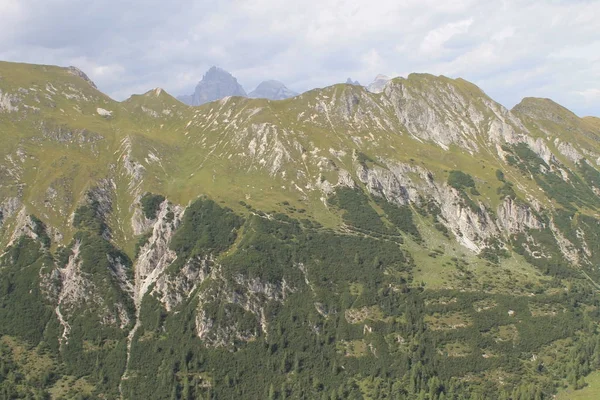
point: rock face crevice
(515, 217)
(240, 296)
(155, 256)
(9, 102)
(473, 225)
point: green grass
(590, 392)
(441, 263)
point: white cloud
(433, 43)
(502, 35)
(372, 61)
(590, 94)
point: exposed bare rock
(567, 150)
(471, 226)
(104, 113)
(436, 114)
(541, 149)
(345, 179)
(67, 135)
(215, 84)
(139, 223)
(251, 295)
(72, 290)
(324, 185)
(378, 84)
(155, 256)
(567, 248)
(77, 72)
(272, 90)
(8, 208)
(515, 217)
(267, 146)
(100, 199)
(24, 226)
(132, 168)
(8, 102)
(173, 289)
(383, 183)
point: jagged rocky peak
(450, 111)
(156, 92)
(215, 85)
(272, 90)
(349, 81)
(77, 72)
(378, 84)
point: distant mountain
(349, 81)
(215, 84)
(186, 99)
(272, 90)
(377, 85)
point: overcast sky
(510, 48)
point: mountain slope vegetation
(422, 242)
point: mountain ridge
(217, 84)
(198, 238)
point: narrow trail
(589, 278)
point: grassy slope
(200, 150)
(590, 392)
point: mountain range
(419, 242)
(217, 84)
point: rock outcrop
(378, 83)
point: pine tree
(271, 392)
(283, 393)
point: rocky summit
(419, 242)
(378, 83)
(215, 85)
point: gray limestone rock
(378, 84)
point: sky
(509, 48)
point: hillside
(418, 242)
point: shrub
(460, 180)
(151, 204)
